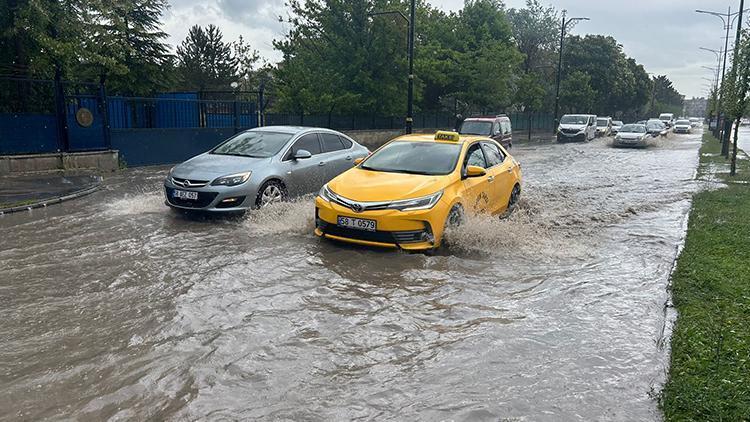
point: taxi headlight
(423, 203)
(232, 179)
(325, 193)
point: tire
(515, 196)
(271, 192)
(455, 216)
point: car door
(337, 158)
(500, 169)
(304, 175)
(507, 130)
(477, 192)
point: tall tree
(205, 61)
(536, 31)
(128, 34)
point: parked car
(576, 127)
(667, 119)
(260, 166)
(682, 126)
(496, 127)
(616, 125)
(632, 135)
(696, 122)
(410, 190)
(641, 122)
(603, 126)
(657, 128)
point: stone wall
(106, 161)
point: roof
(430, 137)
(290, 129)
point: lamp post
(563, 26)
(411, 21)
(728, 20)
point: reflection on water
(115, 307)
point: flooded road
(114, 307)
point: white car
(667, 119)
(576, 127)
(603, 126)
(632, 135)
(695, 122)
(682, 126)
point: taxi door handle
(322, 163)
(510, 170)
(491, 179)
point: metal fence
(171, 113)
(360, 122)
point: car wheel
(515, 196)
(271, 192)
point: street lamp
(728, 20)
(563, 26)
(411, 21)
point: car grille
(189, 183)
(204, 199)
(570, 131)
(413, 236)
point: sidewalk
(31, 190)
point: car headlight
(232, 179)
(171, 171)
(618, 137)
(324, 193)
(423, 203)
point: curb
(55, 200)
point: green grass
(18, 204)
(709, 377)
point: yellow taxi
(411, 189)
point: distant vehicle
(495, 127)
(682, 126)
(696, 122)
(632, 135)
(656, 128)
(667, 119)
(744, 121)
(576, 127)
(261, 166)
(616, 125)
(641, 122)
(603, 126)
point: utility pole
(410, 21)
(735, 66)
(563, 26)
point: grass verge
(709, 376)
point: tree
(576, 93)
(205, 61)
(536, 32)
(128, 34)
(735, 89)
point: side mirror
(475, 171)
(302, 154)
(358, 160)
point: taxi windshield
(475, 127)
(428, 158)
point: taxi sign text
(447, 136)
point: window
(307, 142)
(347, 143)
(505, 127)
(412, 157)
(476, 127)
(493, 154)
(254, 143)
(495, 128)
(331, 142)
(475, 157)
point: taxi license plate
(357, 223)
(181, 194)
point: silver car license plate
(182, 194)
(357, 223)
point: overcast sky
(663, 35)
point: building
(695, 107)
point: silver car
(632, 135)
(261, 166)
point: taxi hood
(368, 186)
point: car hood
(367, 185)
(210, 166)
(630, 135)
(576, 127)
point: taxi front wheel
(455, 216)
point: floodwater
(113, 307)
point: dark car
(496, 127)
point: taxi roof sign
(444, 135)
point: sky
(663, 35)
